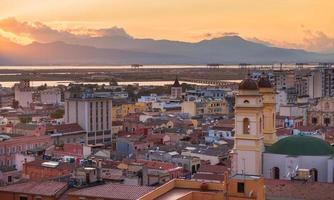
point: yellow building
(205, 107)
(269, 110)
(238, 187)
(249, 139)
(120, 110)
(216, 107)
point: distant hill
(123, 49)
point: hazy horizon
(301, 24)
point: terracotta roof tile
(215, 169)
(114, 191)
(66, 128)
(48, 188)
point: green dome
(301, 146)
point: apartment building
(93, 114)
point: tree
(26, 119)
(57, 114)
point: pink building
(21, 144)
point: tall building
(23, 93)
(327, 76)
(249, 139)
(93, 114)
(315, 84)
(269, 110)
(176, 90)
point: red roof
(69, 150)
(66, 128)
(114, 191)
(309, 128)
(214, 169)
(283, 131)
(157, 165)
(48, 188)
(61, 166)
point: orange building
(237, 187)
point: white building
(94, 115)
(51, 96)
(291, 156)
(23, 97)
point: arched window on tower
(246, 126)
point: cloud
(42, 33)
(318, 41)
(36, 31)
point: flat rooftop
(176, 194)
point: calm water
(144, 67)
(140, 83)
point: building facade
(51, 96)
(94, 115)
(249, 138)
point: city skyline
(289, 24)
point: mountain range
(122, 49)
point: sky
(307, 24)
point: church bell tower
(269, 110)
(249, 124)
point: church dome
(264, 82)
(248, 84)
(301, 146)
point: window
(327, 121)
(275, 173)
(241, 187)
(9, 179)
(314, 174)
(314, 120)
(246, 101)
(23, 198)
(246, 126)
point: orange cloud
(40, 32)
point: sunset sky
(307, 24)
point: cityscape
(173, 100)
